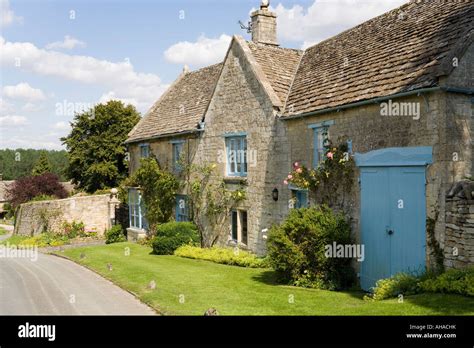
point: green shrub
(170, 236)
(400, 283)
(296, 249)
(455, 281)
(115, 235)
(44, 240)
(43, 198)
(74, 229)
(228, 256)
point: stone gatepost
(113, 205)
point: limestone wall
(33, 218)
(459, 236)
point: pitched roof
(278, 64)
(181, 107)
(399, 51)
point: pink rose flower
(285, 182)
(290, 177)
(299, 170)
(330, 155)
(296, 164)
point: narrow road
(55, 286)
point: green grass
(40, 240)
(240, 291)
(3, 231)
(14, 240)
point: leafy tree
(42, 165)
(25, 189)
(210, 201)
(17, 163)
(95, 146)
(158, 188)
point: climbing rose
(290, 177)
(330, 155)
(299, 170)
(285, 182)
(296, 164)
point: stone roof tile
(399, 51)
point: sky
(59, 57)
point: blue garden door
(393, 212)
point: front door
(393, 218)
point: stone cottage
(397, 88)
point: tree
(96, 150)
(210, 201)
(42, 165)
(18, 163)
(25, 189)
(158, 188)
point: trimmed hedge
(170, 236)
(227, 256)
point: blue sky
(62, 56)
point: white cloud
(12, 121)
(62, 125)
(28, 142)
(7, 16)
(119, 79)
(204, 51)
(31, 107)
(68, 43)
(326, 18)
(23, 91)
(5, 107)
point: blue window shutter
(177, 151)
(315, 147)
(181, 212)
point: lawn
(190, 287)
(3, 231)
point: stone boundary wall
(459, 236)
(96, 212)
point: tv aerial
(247, 27)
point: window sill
(235, 180)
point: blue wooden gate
(393, 212)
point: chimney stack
(264, 25)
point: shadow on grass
(268, 278)
(442, 304)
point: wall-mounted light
(275, 194)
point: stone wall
(459, 236)
(95, 212)
(240, 105)
(162, 149)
